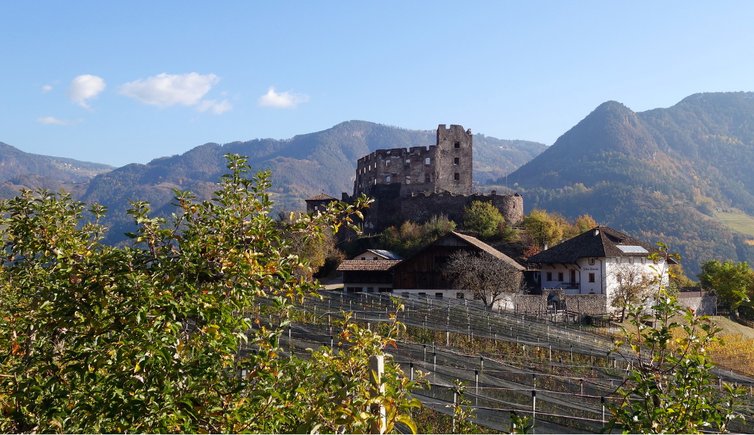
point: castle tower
(453, 160)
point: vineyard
(561, 375)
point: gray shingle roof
(366, 265)
(384, 253)
(600, 241)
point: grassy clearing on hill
(735, 351)
(737, 221)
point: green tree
(732, 282)
(670, 387)
(436, 227)
(178, 332)
(544, 229)
(482, 218)
(404, 239)
(583, 223)
(410, 236)
(678, 278)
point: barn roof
(473, 241)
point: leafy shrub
(178, 332)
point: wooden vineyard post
(377, 368)
(533, 409)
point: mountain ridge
(19, 169)
(661, 173)
(301, 166)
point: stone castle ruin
(445, 167)
(420, 182)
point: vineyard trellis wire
(509, 362)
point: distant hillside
(662, 174)
(302, 166)
(23, 170)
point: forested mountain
(23, 170)
(666, 174)
(663, 174)
(302, 166)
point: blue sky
(122, 82)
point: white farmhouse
(599, 262)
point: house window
(456, 160)
(456, 176)
(591, 277)
(438, 295)
(591, 261)
(408, 179)
(630, 260)
(460, 295)
(387, 162)
(408, 161)
(422, 295)
(387, 179)
(427, 161)
(426, 178)
(549, 276)
(457, 145)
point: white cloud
(166, 90)
(281, 100)
(46, 88)
(85, 87)
(213, 106)
(51, 120)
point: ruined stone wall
(413, 167)
(511, 207)
(596, 305)
(704, 304)
(584, 305)
(390, 208)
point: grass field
(737, 221)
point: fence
(564, 376)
